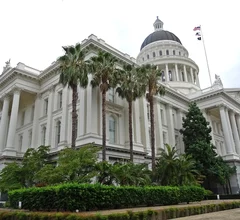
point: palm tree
(130, 88)
(103, 67)
(73, 72)
(151, 76)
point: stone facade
(36, 110)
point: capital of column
(222, 106)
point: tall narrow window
(148, 57)
(23, 118)
(183, 78)
(111, 95)
(148, 112)
(112, 130)
(58, 132)
(20, 142)
(154, 54)
(60, 99)
(163, 76)
(170, 75)
(29, 138)
(32, 113)
(167, 52)
(179, 53)
(45, 106)
(160, 53)
(44, 129)
(174, 52)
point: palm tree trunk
(152, 133)
(130, 130)
(74, 115)
(104, 125)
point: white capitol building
(36, 110)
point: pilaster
(166, 72)
(171, 133)
(185, 73)
(235, 132)
(176, 70)
(158, 127)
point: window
(29, 138)
(173, 52)
(148, 112)
(163, 76)
(58, 132)
(20, 142)
(160, 53)
(167, 52)
(164, 137)
(148, 57)
(154, 54)
(179, 53)
(60, 99)
(23, 118)
(111, 95)
(170, 75)
(143, 59)
(32, 113)
(45, 106)
(162, 117)
(174, 120)
(44, 129)
(112, 130)
(183, 79)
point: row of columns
(231, 127)
(179, 77)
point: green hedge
(161, 214)
(69, 197)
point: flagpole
(206, 55)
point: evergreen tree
(197, 139)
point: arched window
(58, 132)
(160, 53)
(174, 52)
(112, 130)
(179, 53)
(44, 129)
(148, 57)
(154, 54)
(167, 52)
(163, 76)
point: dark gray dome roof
(159, 35)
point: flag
(197, 28)
(199, 38)
(198, 34)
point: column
(89, 107)
(4, 121)
(230, 130)
(64, 121)
(49, 139)
(238, 122)
(226, 133)
(235, 132)
(166, 72)
(197, 79)
(158, 127)
(208, 118)
(185, 73)
(176, 70)
(10, 149)
(81, 112)
(35, 134)
(171, 133)
(192, 77)
(136, 114)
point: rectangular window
(20, 142)
(148, 112)
(162, 116)
(111, 95)
(60, 99)
(112, 130)
(44, 135)
(45, 106)
(32, 113)
(29, 138)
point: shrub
(69, 197)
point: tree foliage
(197, 139)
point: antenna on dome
(158, 25)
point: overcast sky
(33, 31)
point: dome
(159, 35)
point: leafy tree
(103, 67)
(130, 88)
(197, 139)
(11, 177)
(151, 77)
(73, 72)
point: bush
(69, 197)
